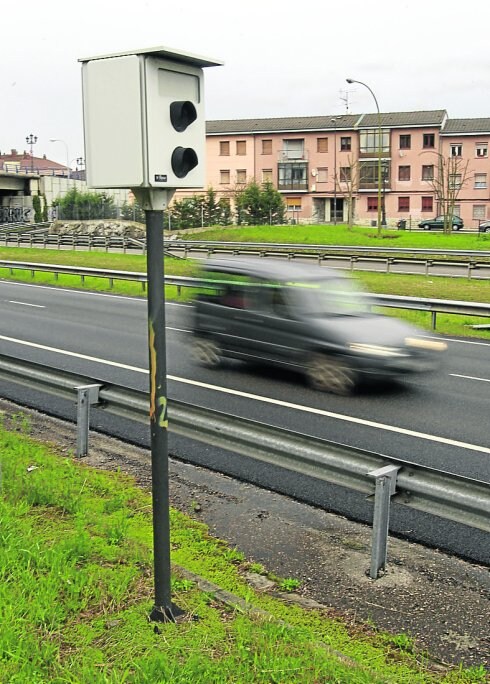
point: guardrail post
(385, 487)
(433, 317)
(87, 395)
(470, 268)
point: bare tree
(452, 174)
(346, 184)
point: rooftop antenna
(344, 96)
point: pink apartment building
(323, 165)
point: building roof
(319, 123)
(466, 126)
(25, 163)
(435, 117)
(282, 124)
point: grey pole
(163, 610)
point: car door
(266, 329)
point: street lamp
(31, 140)
(334, 121)
(351, 80)
(67, 154)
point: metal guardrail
(452, 497)
(433, 306)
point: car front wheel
(206, 352)
(329, 374)
(425, 226)
(456, 227)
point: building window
(404, 204)
(293, 149)
(480, 181)
(266, 146)
(345, 174)
(479, 211)
(457, 210)
(293, 203)
(372, 204)
(322, 144)
(454, 181)
(241, 176)
(428, 172)
(456, 150)
(241, 147)
(293, 176)
(322, 175)
(428, 141)
(266, 175)
(224, 177)
(345, 144)
(404, 173)
(481, 150)
(368, 174)
(427, 203)
(224, 148)
(405, 142)
(369, 141)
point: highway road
(440, 420)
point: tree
(256, 205)
(36, 205)
(452, 174)
(85, 205)
(348, 183)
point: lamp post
(31, 140)
(351, 80)
(67, 154)
(334, 121)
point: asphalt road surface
(439, 420)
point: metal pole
(163, 610)
(385, 487)
(351, 80)
(335, 173)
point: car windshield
(329, 297)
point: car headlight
(375, 349)
(421, 343)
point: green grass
(341, 235)
(76, 589)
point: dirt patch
(441, 602)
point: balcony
(292, 176)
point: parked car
(484, 227)
(306, 318)
(438, 222)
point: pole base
(162, 614)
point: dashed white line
(36, 306)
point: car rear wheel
(206, 352)
(425, 226)
(328, 374)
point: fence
(432, 306)
(452, 497)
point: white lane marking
(265, 400)
(469, 377)
(37, 306)
(65, 352)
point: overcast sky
(281, 58)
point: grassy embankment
(408, 285)
(76, 588)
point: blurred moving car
(305, 318)
(438, 222)
(484, 227)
